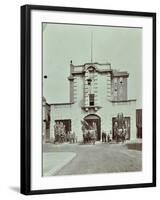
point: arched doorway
(90, 119)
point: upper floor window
(91, 99)
(119, 89)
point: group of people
(61, 135)
(106, 137)
(59, 132)
(89, 132)
(121, 134)
(121, 128)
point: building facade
(98, 94)
(46, 134)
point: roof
(120, 74)
(58, 104)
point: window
(91, 99)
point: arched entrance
(90, 119)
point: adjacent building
(46, 121)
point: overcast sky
(120, 46)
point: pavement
(70, 159)
(134, 144)
(53, 162)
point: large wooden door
(90, 119)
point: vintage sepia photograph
(88, 99)
(92, 99)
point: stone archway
(97, 120)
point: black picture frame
(26, 98)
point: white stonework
(98, 91)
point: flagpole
(91, 47)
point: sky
(121, 46)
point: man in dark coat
(104, 136)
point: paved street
(99, 158)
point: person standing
(103, 136)
(108, 138)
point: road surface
(99, 158)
